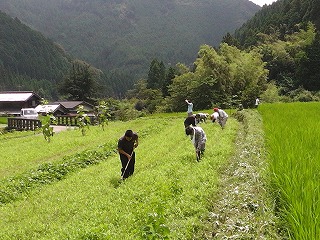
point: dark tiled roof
(72, 104)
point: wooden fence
(64, 120)
(19, 123)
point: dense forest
(280, 18)
(274, 56)
(122, 37)
(28, 60)
(287, 34)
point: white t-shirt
(215, 116)
(222, 113)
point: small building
(12, 102)
(55, 109)
(72, 106)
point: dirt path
(242, 209)
(57, 129)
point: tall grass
(168, 195)
(293, 141)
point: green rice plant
(168, 196)
(292, 136)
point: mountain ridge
(123, 34)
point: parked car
(28, 113)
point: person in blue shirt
(190, 107)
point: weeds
(14, 188)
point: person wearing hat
(222, 117)
(126, 145)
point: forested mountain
(287, 34)
(126, 35)
(28, 60)
(281, 17)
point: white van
(28, 113)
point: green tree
(271, 94)
(83, 120)
(81, 82)
(156, 74)
(230, 40)
(171, 73)
(248, 77)
(218, 77)
(103, 113)
(147, 99)
(309, 72)
(179, 91)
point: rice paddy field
(292, 132)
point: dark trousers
(130, 169)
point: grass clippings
(242, 208)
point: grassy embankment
(169, 194)
(293, 143)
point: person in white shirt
(222, 117)
(257, 102)
(198, 138)
(214, 117)
(190, 106)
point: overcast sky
(262, 2)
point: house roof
(16, 96)
(72, 104)
(47, 108)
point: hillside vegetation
(287, 35)
(28, 59)
(280, 18)
(125, 35)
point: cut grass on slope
(21, 154)
(169, 187)
(243, 208)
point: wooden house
(12, 102)
(72, 107)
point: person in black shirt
(191, 120)
(126, 145)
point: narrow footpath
(242, 208)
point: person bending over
(126, 145)
(222, 117)
(198, 138)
